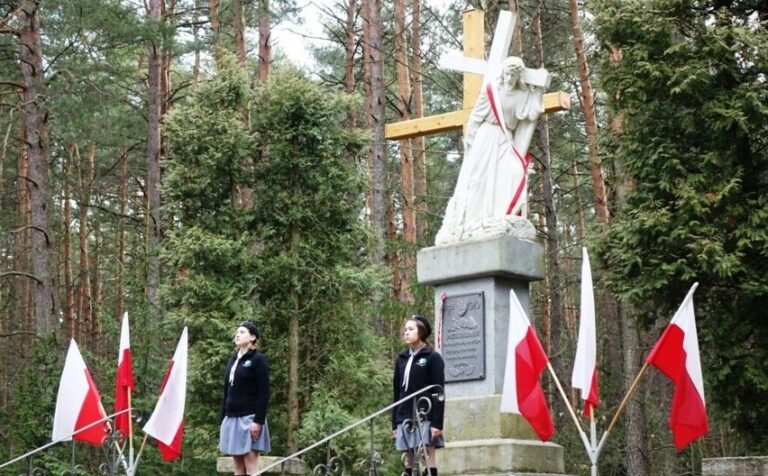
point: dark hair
(422, 324)
(252, 329)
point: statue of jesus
(490, 195)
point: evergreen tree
(294, 261)
(690, 89)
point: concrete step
(224, 464)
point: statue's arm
(478, 115)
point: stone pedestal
(224, 464)
(481, 441)
(741, 466)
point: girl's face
(243, 338)
(411, 333)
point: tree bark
(349, 57)
(294, 355)
(238, 22)
(37, 179)
(367, 104)
(84, 297)
(213, 16)
(635, 436)
(69, 280)
(123, 204)
(406, 161)
(378, 175)
(97, 334)
(629, 350)
(552, 239)
(22, 286)
(265, 45)
(419, 163)
(590, 117)
(154, 104)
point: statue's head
(512, 71)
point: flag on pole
(166, 424)
(584, 375)
(78, 403)
(526, 360)
(676, 355)
(124, 384)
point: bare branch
(20, 273)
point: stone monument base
(481, 441)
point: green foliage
(694, 147)
(296, 249)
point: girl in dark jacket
(244, 432)
(417, 367)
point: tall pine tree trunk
(37, 179)
(238, 22)
(378, 172)
(97, 334)
(406, 162)
(552, 240)
(590, 117)
(122, 206)
(69, 286)
(84, 298)
(349, 56)
(154, 104)
(293, 355)
(22, 286)
(419, 162)
(631, 354)
(265, 42)
(213, 16)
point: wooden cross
(475, 68)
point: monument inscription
(464, 337)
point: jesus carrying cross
(490, 194)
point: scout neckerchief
(524, 161)
(407, 376)
(240, 353)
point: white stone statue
(491, 192)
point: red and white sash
(524, 161)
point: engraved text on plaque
(463, 343)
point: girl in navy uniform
(417, 367)
(244, 432)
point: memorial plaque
(463, 343)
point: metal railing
(412, 460)
(113, 457)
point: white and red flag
(526, 360)
(78, 403)
(166, 424)
(584, 375)
(676, 355)
(124, 384)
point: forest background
(160, 158)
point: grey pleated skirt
(411, 440)
(235, 436)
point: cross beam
(474, 47)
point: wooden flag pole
(584, 440)
(130, 430)
(593, 439)
(623, 403)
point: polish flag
(124, 384)
(166, 424)
(78, 403)
(584, 375)
(526, 360)
(676, 354)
